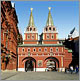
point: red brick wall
(9, 22)
(67, 57)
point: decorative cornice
(41, 45)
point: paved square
(39, 76)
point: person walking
(71, 69)
(77, 69)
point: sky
(65, 15)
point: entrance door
(29, 65)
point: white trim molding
(40, 69)
(21, 69)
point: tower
(49, 35)
(31, 34)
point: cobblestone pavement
(38, 76)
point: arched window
(28, 50)
(51, 49)
(28, 36)
(52, 36)
(53, 29)
(49, 28)
(57, 49)
(32, 36)
(45, 49)
(34, 29)
(23, 50)
(34, 49)
(30, 29)
(39, 49)
(47, 36)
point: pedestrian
(65, 70)
(77, 69)
(71, 69)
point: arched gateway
(30, 64)
(47, 52)
(52, 63)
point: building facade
(72, 42)
(45, 53)
(9, 36)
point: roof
(31, 20)
(49, 20)
(69, 50)
(74, 33)
(40, 45)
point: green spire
(49, 20)
(31, 20)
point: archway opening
(30, 64)
(52, 64)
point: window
(34, 49)
(50, 28)
(52, 36)
(32, 36)
(51, 50)
(22, 49)
(45, 49)
(47, 36)
(57, 50)
(34, 29)
(30, 29)
(39, 49)
(60, 42)
(53, 29)
(28, 36)
(28, 49)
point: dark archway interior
(29, 64)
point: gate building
(47, 53)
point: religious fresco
(40, 63)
